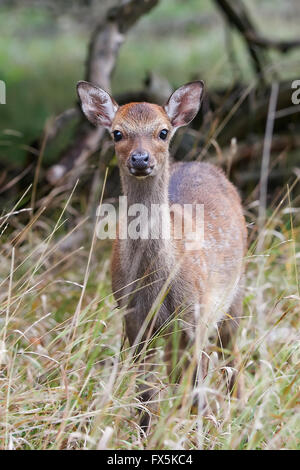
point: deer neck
(150, 254)
(151, 190)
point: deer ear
(184, 103)
(97, 105)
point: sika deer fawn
(201, 286)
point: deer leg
(148, 392)
(149, 389)
(178, 357)
(227, 341)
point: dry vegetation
(67, 376)
(68, 379)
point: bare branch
(266, 43)
(237, 15)
(102, 56)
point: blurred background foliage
(43, 51)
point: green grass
(66, 381)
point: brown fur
(208, 279)
(201, 273)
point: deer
(198, 285)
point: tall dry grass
(68, 379)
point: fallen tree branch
(266, 43)
(61, 120)
(253, 151)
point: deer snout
(139, 163)
(139, 160)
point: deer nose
(139, 160)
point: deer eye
(117, 136)
(163, 134)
